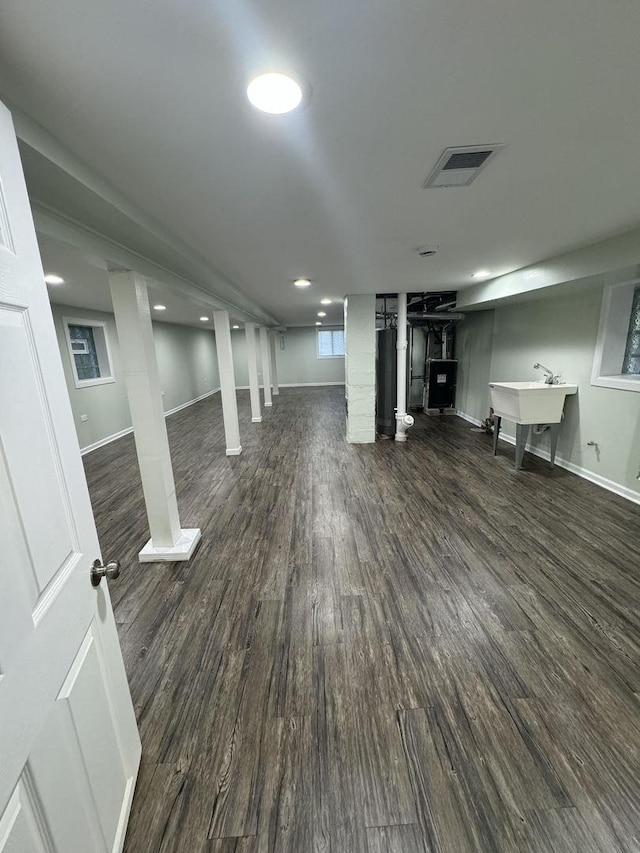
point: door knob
(98, 571)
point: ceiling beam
(609, 261)
(204, 282)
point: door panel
(22, 827)
(17, 587)
(69, 746)
(34, 476)
(95, 735)
(55, 761)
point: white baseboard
(591, 476)
(116, 435)
(466, 417)
(308, 384)
(190, 402)
(96, 444)
(293, 385)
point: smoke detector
(427, 251)
(458, 167)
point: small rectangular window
(89, 352)
(330, 343)
(631, 362)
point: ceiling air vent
(458, 167)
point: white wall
(298, 362)
(187, 363)
(560, 333)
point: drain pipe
(403, 420)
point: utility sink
(529, 402)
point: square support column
(360, 367)
(252, 364)
(227, 383)
(274, 364)
(266, 367)
(169, 542)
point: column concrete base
(183, 550)
(234, 451)
(268, 404)
(256, 420)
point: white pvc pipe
(403, 420)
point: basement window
(89, 352)
(631, 363)
(616, 362)
(330, 343)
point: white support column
(266, 367)
(403, 420)
(252, 364)
(274, 364)
(227, 382)
(360, 367)
(135, 336)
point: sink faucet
(550, 378)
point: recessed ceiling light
(204, 319)
(274, 93)
(322, 313)
(302, 282)
(236, 327)
(481, 274)
(159, 307)
(318, 323)
(325, 302)
(52, 278)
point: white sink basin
(529, 402)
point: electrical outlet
(84, 418)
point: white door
(69, 745)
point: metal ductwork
(443, 317)
(427, 372)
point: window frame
(611, 343)
(331, 330)
(102, 353)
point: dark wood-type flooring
(377, 648)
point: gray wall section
(188, 367)
(474, 343)
(105, 406)
(298, 362)
(187, 364)
(561, 333)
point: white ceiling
(151, 96)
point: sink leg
(522, 434)
(554, 430)
(496, 433)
